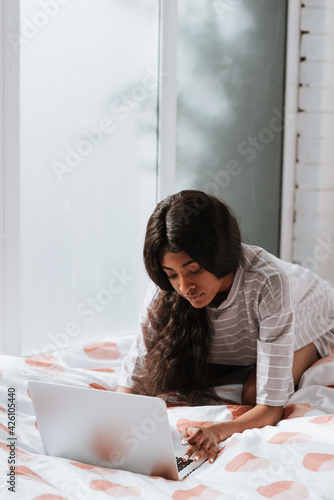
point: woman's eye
(197, 271)
(171, 277)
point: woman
(217, 304)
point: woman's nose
(185, 286)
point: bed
(293, 460)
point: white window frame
(167, 99)
(2, 226)
(290, 129)
(9, 185)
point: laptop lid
(105, 428)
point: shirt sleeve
(134, 361)
(275, 345)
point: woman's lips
(194, 298)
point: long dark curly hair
(177, 335)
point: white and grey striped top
(273, 309)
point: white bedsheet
(293, 460)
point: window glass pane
(230, 100)
(88, 93)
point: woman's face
(193, 282)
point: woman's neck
(224, 290)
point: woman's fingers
(197, 453)
(213, 453)
(202, 444)
(184, 436)
(190, 451)
(194, 439)
(197, 446)
(210, 453)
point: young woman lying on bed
(216, 304)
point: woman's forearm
(257, 417)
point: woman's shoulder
(272, 268)
(267, 278)
(286, 283)
(259, 261)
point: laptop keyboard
(181, 464)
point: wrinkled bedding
(293, 460)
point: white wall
(313, 243)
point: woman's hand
(203, 441)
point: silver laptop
(108, 429)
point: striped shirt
(272, 309)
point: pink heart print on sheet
(22, 455)
(318, 462)
(246, 462)
(46, 363)
(284, 490)
(22, 470)
(94, 385)
(4, 428)
(113, 489)
(102, 471)
(232, 442)
(296, 410)
(200, 492)
(323, 420)
(102, 350)
(104, 370)
(49, 496)
(290, 438)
